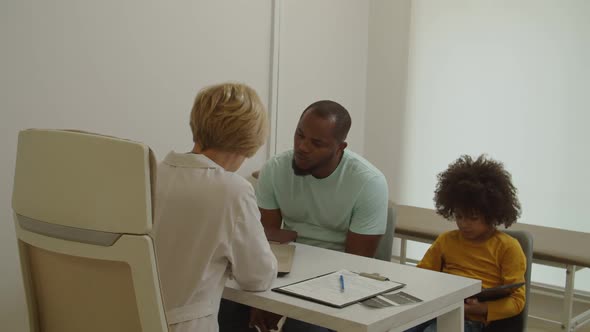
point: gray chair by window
(384, 248)
(518, 323)
(83, 213)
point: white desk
(442, 294)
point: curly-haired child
(479, 196)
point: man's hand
(264, 320)
(474, 307)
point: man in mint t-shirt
(332, 197)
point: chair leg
(566, 319)
(403, 251)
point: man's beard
(307, 171)
(300, 171)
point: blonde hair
(229, 117)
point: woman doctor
(207, 224)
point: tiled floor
(556, 329)
(550, 308)
(542, 327)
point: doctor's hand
(264, 320)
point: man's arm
(270, 215)
(369, 218)
(362, 245)
(271, 219)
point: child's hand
(474, 307)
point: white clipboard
(327, 289)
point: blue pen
(341, 283)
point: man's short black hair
(328, 109)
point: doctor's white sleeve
(254, 266)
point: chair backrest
(385, 246)
(83, 211)
(518, 323)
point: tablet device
(494, 293)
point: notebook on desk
(284, 254)
(279, 240)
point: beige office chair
(518, 323)
(385, 245)
(83, 211)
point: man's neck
(328, 169)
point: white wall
(389, 25)
(125, 68)
(132, 69)
(323, 55)
(508, 78)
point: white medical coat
(206, 227)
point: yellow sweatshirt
(497, 261)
